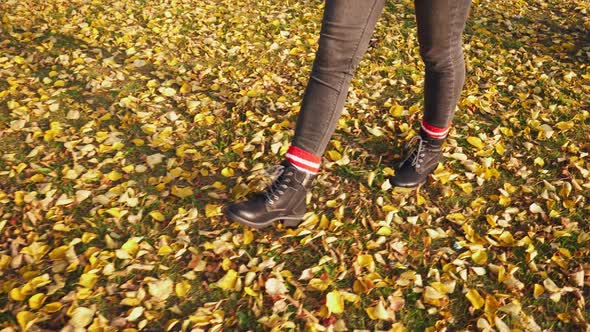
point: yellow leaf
(227, 172)
(52, 307)
(350, 297)
(181, 192)
(248, 236)
(25, 319)
(114, 176)
(538, 291)
(228, 281)
(165, 250)
(550, 286)
(82, 195)
(565, 125)
(500, 149)
(167, 91)
(564, 317)
(37, 300)
(4, 259)
(134, 314)
(226, 264)
(182, 288)
(16, 294)
(466, 187)
(457, 218)
(320, 284)
(364, 260)
(87, 237)
(491, 306)
(59, 83)
(378, 312)
(250, 291)
(131, 301)
(480, 257)
(128, 169)
(40, 281)
(160, 289)
(275, 287)
(185, 88)
(475, 141)
(19, 197)
(114, 212)
(335, 302)
(476, 300)
(398, 327)
(212, 210)
(384, 230)
(504, 200)
(88, 280)
(431, 295)
(131, 247)
(536, 208)
(334, 155)
(81, 317)
(440, 287)
(396, 110)
(506, 238)
(157, 215)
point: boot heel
(294, 223)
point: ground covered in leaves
(126, 125)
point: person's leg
(440, 30)
(347, 27)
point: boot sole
(289, 221)
(412, 186)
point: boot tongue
(300, 176)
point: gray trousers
(347, 27)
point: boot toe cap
(406, 179)
(406, 183)
(245, 211)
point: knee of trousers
(337, 53)
(442, 59)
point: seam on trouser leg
(333, 111)
(324, 83)
(450, 50)
(463, 9)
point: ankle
(434, 135)
(303, 160)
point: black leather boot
(423, 155)
(283, 200)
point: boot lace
(417, 152)
(275, 189)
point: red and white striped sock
(433, 131)
(303, 160)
